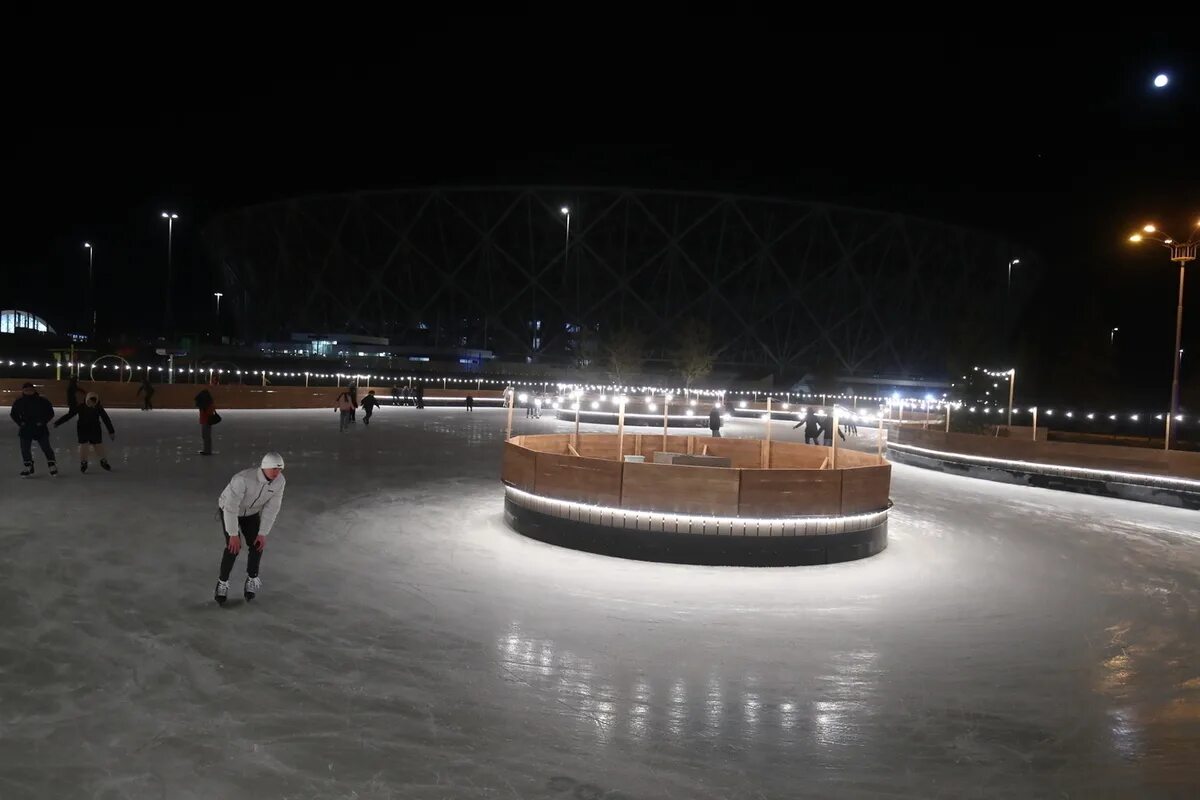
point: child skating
(90, 415)
(248, 508)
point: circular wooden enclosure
(739, 502)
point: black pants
(249, 529)
(716, 432)
(812, 439)
(367, 414)
(146, 404)
(42, 437)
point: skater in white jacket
(249, 506)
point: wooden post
(880, 444)
(767, 449)
(621, 430)
(666, 412)
(511, 402)
(306, 380)
(833, 440)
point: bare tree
(624, 353)
(694, 352)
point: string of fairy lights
(891, 406)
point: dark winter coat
(207, 406)
(88, 427)
(145, 388)
(369, 402)
(714, 420)
(32, 413)
(73, 392)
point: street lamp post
(170, 217)
(1182, 253)
(218, 295)
(91, 286)
(1112, 337)
(566, 247)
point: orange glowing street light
(1182, 253)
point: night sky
(1058, 141)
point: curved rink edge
(697, 549)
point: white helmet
(272, 461)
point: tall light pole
(566, 246)
(1182, 253)
(1012, 386)
(1112, 337)
(1007, 294)
(170, 217)
(218, 295)
(91, 286)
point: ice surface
(1011, 642)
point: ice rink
(1011, 642)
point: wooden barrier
(788, 492)
(520, 466)
(678, 489)
(1068, 454)
(585, 480)
(596, 476)
(120, 394)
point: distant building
(13, 321)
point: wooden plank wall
(745, 453)
(789, 492)
(585, 480)
(1092, 456)
(793, 455)
(519, 467)
(123, 394)
(683, 490)
(865, 488)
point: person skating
(369, 404)
(208, 418)
(470, 403)
(395, 395)
(353, 402)
(248, 506)
(90, 415)
(146, 391)
(714, 421)
(419, 395)
(828, 429)
(33, 413)
(73, 392)
(812, 428)
(344, 407)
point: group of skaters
(247, 507)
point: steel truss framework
(781, 284)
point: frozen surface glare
(1011, 642)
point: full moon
(1161, 80)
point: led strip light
(668, 522)
(1033, 466)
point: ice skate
(221, 593)
(53, 469)
(252, 587)
(83, 466)
(28, 471)
(105, 465)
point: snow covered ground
(1011, 642)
